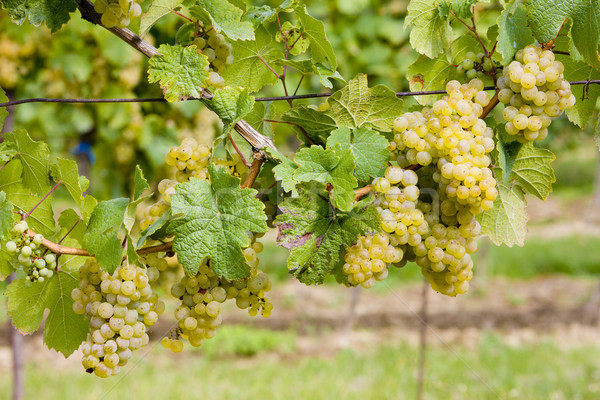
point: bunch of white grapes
(118, 13)
(201, 296)
(119, 307)
(476, 66)
(28, 253)
(218, 51)
(368, 260)
(534, 90)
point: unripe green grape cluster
(218, 51)
(119, 309)
(476, 66)
(368, 260)
(535, 92)
(28, 253)
(118, 13)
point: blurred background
(527, 329)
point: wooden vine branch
(254, 170)
(72, 251)
(251, 135)
(362, 192)
(493, 103)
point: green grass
(493, 370)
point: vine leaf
(214, 221)
(248, 69)
(152, 229)
(368, 147)
(463, 8)
(66, 171)
(513, 32)
(34, 159)
(314, 30)
(316, 124)
(583, 109)
(334, 167)
(506, 222)
(101, 237)
(307, 67)
(69, 219)
(157, 10)
(56, 13)
(224, 17)
(532, 170)
(6, 215)
(546, 17)
(316, 235)
(179, 70)
(357, 105)
(231, 104)
(64, 330)
(430, 29)
(42, 218)
(140, 184)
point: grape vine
(376, 183)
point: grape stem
(254, 170)
(251, 135)
(493, 103)
(181, 15)
(246, 163)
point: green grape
(534, 84)
(118, 317)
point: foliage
(427, 166)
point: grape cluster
(118, 13)
(368, 260)
(16, 60)
(476, 66)
(534, 90)
(119, 307)
(201, 297)
(29, 254)
(218, 51)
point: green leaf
(532, 170)
(224, 17)
(69, 220)
(152, 229)
(67, 172)
(215, 219)
(358, 105)
(284, 172)
(54, 12)
(7, 149)
(430, 30)
(315, 123)
(504, 154)
(179, 70)
(101, 237)
(463, 8)
(334, 167)
(6, 267)
(506, 222)
(314, 30)
(64, 330)
(157, 10)
(6, 215)
(140, 184)
(297, 43)
(584, 109)
(317, 235)
(546, 17)
(34, 158)
(248, 70)
(368, 147)
(231, 104)
(513, 32)
(42, 218)
(307, 67)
